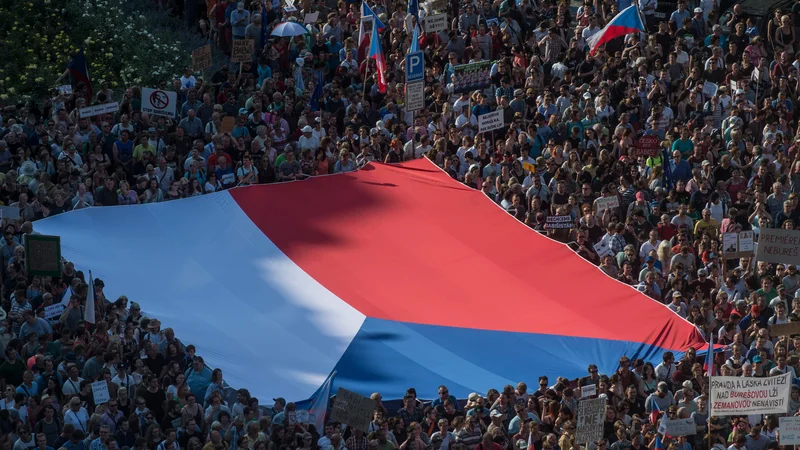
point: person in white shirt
(308, 140)
(651, 244)
(666, 369)
(188, 80)
(73, 384)
(77, 415)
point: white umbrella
(287, 29)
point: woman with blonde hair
(664, 253)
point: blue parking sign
(415, 66)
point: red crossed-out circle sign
(159, 99)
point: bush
(126, 42)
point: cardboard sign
(604, 203)
(54, 311)
(738, 396)
(436, 5)
(556, 222)
(589, 390)
(43, 255)
(201, 58)
(100, 392)
(709, 88)
(415, 96)
(490, 121)
(242, 51)
(789, 430)
(435, 23)
(311, 18)
(590, 420)
(777, 245)
(352, 409)
(227, 124)
(680, 427)
(529, 167)
(784, 329)
(96, 110)
(159, 103)
(648, 146)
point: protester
(715, 97)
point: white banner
(96, 110)
(680, 427)
(435, 23)
(490, 121)
(735, 396)
(589, 390)
(789, 430)
(590, 420)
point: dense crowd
(718, 94)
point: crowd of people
(717, 91)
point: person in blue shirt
(680, 170)
(198, 377)
(444, 394)
(685, 145)
(681, 13)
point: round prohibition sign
(159, 99)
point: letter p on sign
(415, 67)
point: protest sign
(680, 427)
(352, 409)
(468, 77)
(604, 203)
(100, 392)
(435, 23)
(709, 88)
(311, 17)
(734, 396)
(43, 255)
(590, 420)
(777, 245)
(746, 247)
(53, 311)
(227, 124)
(784, 329)
(648, 145)
(789, 430)
(9, 212)
(490, 121)
(159, 103)
(602, 249)
(242, 50)
(730, 245)
(201, 58)
(302, 416)
(529, 167)
(554, 222)
(65, 89)
(96, 110)
(588, 390)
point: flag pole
(710, 357)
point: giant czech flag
(392, 276)
(376, 52)
(626, 22)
